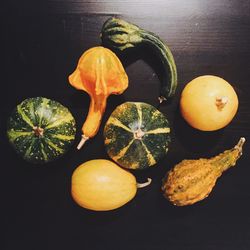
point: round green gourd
(136, 135)
(41, 130)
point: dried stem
(240, 144)
(83, 140)
(142, 185)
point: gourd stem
(240, 144)
(138, 134)
(167, 89)
(83, 140)
(162, 99)
(142, 185)
(221, 102)
(38, 131)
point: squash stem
(82, 142)
(162, 99)
(38, 131)
(221, 102)
(240, 145)
(138, 134)
(142, 185)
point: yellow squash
(101, 185)
(208, 103)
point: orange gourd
(99, 73)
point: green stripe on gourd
(41, 130)
(136, 135)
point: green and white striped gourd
(137, 135)
(41, 130)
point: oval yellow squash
(101, 185)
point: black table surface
(41, 43)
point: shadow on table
(149, 56)
(192, 139)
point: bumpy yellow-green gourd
(192, 180)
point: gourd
(101, 185)
(121, 35)
(99, 73)
(41, 130)
(208, 103)
(191, 181)
(136, 135)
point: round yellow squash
(208, 103)
(101, 185)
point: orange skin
(99, 73)
(208, 103)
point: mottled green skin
(117, 137)
(57, 123)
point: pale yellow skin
(199, 103)
(101, 185)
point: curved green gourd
(121, 35)
(136, 135)
(41, 130)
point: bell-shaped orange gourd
(99, 73)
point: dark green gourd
(121, 35)
(41, 130)
(136, 135)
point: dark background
(41, 43)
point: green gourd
(136, 135)
(121, 35)
(40, 129)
